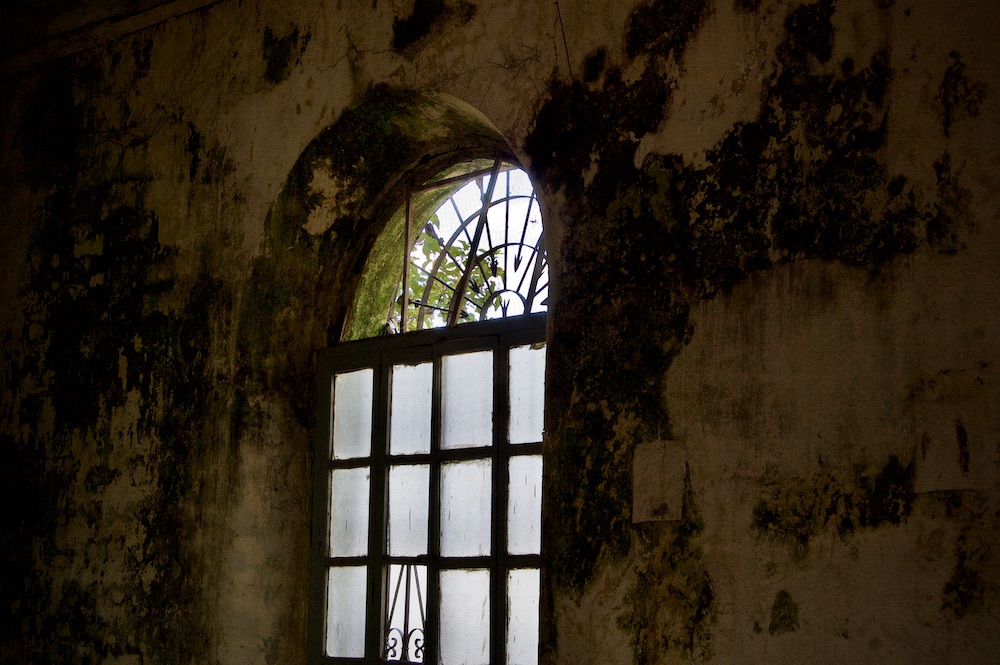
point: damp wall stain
(112, 388)
(139, 385)
(673, 572)
(796, 510)
(784, 614)
(960, 97)
(426, 20)
(806, 179)
(98, 336)
(282, 53)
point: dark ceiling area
(33, 32)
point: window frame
(382, 353)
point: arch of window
(429, 446)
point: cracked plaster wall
(774, 239)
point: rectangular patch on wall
(658, 481)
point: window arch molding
(343, 194)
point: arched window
(429, 456)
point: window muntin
(470, 514)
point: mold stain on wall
(99, 336)
(114, 386)
(282, 53)
(124, 396)
(784, 614)
(427, 20)
(796, 510)
(965, 591)
(805, 179)
(670, 570)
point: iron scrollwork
(404, 638)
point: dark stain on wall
(106, 322)
(676, 234)
(806, 179)
(101, 335)
(662, 27)
(49, 135)
(951, 220)
(784, 614)
(281, 54)
(797, 509)
(428, 18)
(593, 65)
(958, 95)
(674, 577)
(194, 144)
(275, 333)
(963, 592)
(142, 55)
(962, 440)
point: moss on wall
(355, 174)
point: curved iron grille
(480, 255)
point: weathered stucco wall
(775, 241)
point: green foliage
(435, 271)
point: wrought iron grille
(479, 255)
(407, 613)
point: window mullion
(378, 508)
(498, 560)
(432, 629)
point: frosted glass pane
(524, 505)
(345, 611)
(349, 512)
(409, 490)
(527, 394)
(352, 414)
(522, 617)
(465, 508)
(410, 431)
(465, 617)
(467, 400)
